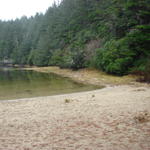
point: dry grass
(93, 96)
(90, 76)
(68, 100)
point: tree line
(109, 35)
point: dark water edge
(16, 84)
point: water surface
(15, 84)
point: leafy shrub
(56, 58)
(78, 60)
(38, 58)
(85, 36)
(115, 57)
(143, 72)
(61, 58)
(66, 62)
(127, 54)
(139, 42)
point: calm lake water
(15, 84)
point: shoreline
(89, 76)
(116, 117)
(52, 96)
(103, 119)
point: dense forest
(110, 35)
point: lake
(16, 84)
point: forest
(109, 35)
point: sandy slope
(105, 119)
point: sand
(113, 118)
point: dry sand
(113, 118)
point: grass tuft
(67, 100)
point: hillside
(109, 35)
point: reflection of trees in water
(11, 75)
(21, 84)
(4, 75)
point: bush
(143, 72)
(78, 60)
(115, 57)
(38, 58)
(128, 54)
(67, 61)
(139, 40)
(57, 58)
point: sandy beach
(113, 118)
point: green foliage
(78, 60)
(38, 58)
(115, 57)
(139, 40)
(61, 58)
(60, 36)
(73, 60)
(127, 54)
(56, 58)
